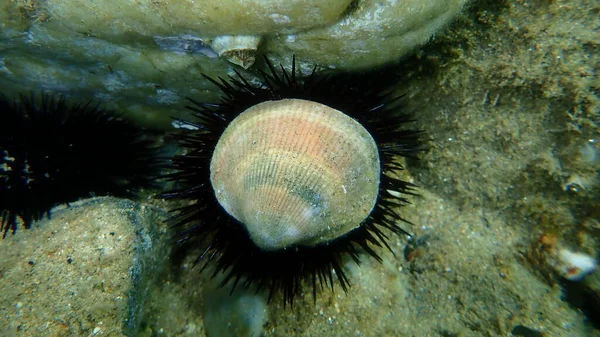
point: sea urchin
(52, 152)
(288, 177)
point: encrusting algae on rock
(147, 52)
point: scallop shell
(295, 172)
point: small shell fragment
(574, 266)
(237, 49)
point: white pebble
(575, 266)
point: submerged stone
(86, 271)
(127, 53)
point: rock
(127, 21)
(370, 34)
(238, 313)
(144, 57)
(84, 272)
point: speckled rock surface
(209, 18)
(144, 57)
(371, 34)
(85, 272)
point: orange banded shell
(295, 172)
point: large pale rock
(371, 34)
(127, 18)
(144, 57)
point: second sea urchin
(53, 152)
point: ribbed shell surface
(295, 172)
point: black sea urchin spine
(225, 242)
(52, 152)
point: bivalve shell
(296, 173)
(238, 49)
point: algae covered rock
(343, 33)
(86, 271)
(125, 19)
(370, 34)
(144, 57)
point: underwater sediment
(508, 95)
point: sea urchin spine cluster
(52, 152)
(290, 176)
